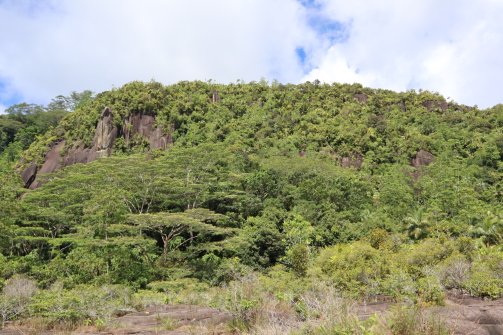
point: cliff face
(105, 136)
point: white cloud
(52, 47)
(94, 44)
(2, 109)
(453, 47)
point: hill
(164, 193)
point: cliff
(63, 154)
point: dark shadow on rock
(63, 154)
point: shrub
(427, 253)
(379, 238)
(405, 320)
(486, 278)
(454, 271)
(70, 308)
(484, 283)
(400, 285)
(144, 298)
(243, 300)
(181, 290)
(16, 295)
(430, 291)
(298, 259)
(322, 301)
(356, 268)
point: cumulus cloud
(452, 47)
(53, 47)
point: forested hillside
(199, 188)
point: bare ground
(465, 315)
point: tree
(417, 225)
(71, 102)
(175, 230)
(490, 229)
(103, 209)
(260, 243)
(298, 236)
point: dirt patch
(463, 314)
(378, 304)
(178, 317)
(158, 320)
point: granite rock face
(28, 175)
(79, 154)
(354, 160)
(144, 126)
(422, 158)
(105, 135)
(361, 97)
(434, 105)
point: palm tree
(490, 229)
(417, 225)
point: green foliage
(486, 275)
(407, 320)
(297, 257)
(315, 186)
(356, 268)
(260, 242)
(297, 237)
(73, 306)
(430, 290)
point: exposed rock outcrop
(105, 135)
(184, 320)
(29, 174)
(422, 158)
(354, 160)
(434, 104)
(361, 97)
(53, 159)
(143, 125)
(79, 154)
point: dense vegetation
(264, 185)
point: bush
(356, 268)
(486, 278)
(298, 259)
(70, 308)
(430, 291)
(144, 298)
(484, 283)
(182, 290)
(405, 320)
(400, 285)
(16, 295)
(243, 300)
(454, 271)
(427, 253)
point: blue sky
(52, 47)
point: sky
(53, 47)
